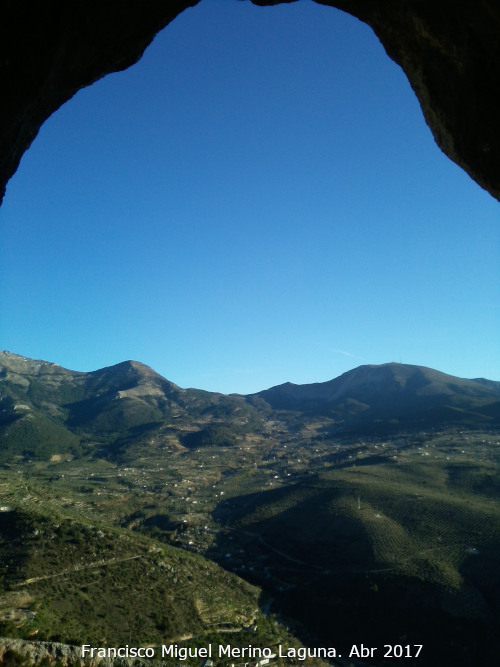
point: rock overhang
(448, 49)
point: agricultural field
(385, 518)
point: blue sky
(258, 200)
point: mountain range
(391, 392)
(371, 499)
(46, 409)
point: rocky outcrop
(51, 49)
(449, 50)
(19, 651)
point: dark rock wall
(449, 50)
(51, 49)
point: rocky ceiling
(449, 50)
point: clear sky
(258, 200)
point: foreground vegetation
(391, 537)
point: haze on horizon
(257, 201)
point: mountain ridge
(137, 366)
(47, 408)
(370, 498)
(388, 388)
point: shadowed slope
(370, 394)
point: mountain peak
(16, 363)
(391, 392)
(134, 373)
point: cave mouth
(449, 56)
(181, 191)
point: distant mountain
(107, 475)
(46, 409)
(494, 384)
(120, 410)
(390, 393)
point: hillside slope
(392, 392)
(46, 409)
(64, 580)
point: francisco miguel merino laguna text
(183, 653)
